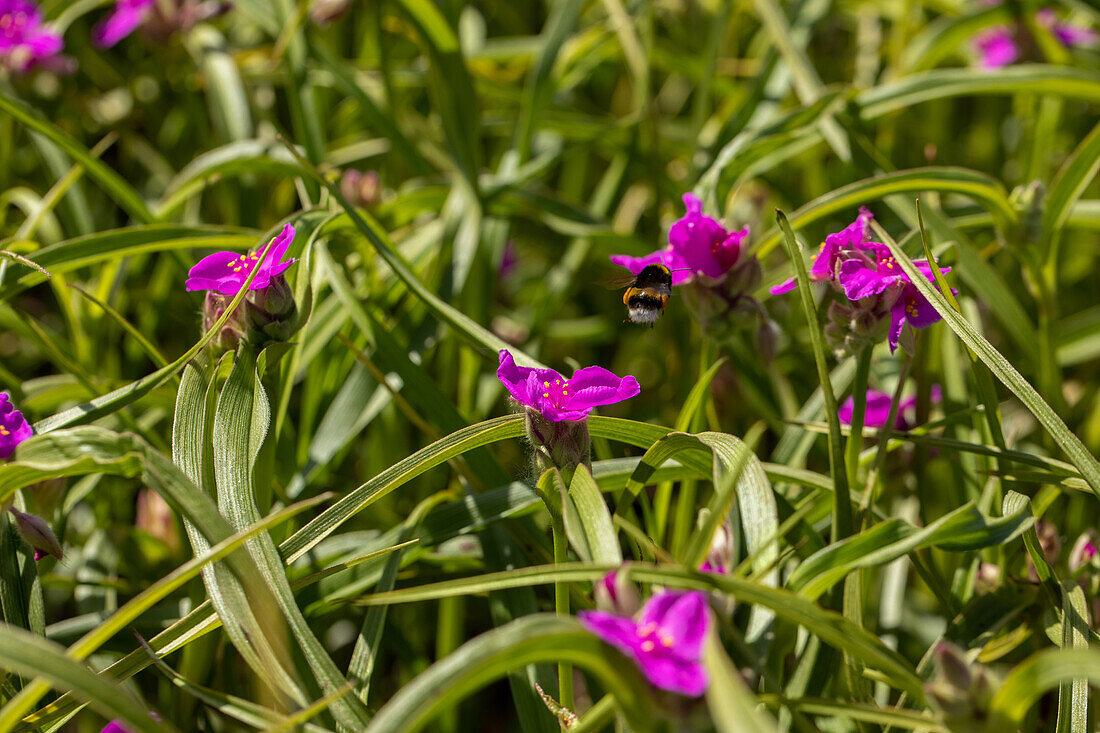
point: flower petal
(123, 20)
(861, 280)
(876, 413)
(996, 47)
(594, 386)
(669, 672)
(214, 266)
(618, 631)
(523, 383)
(686, 622)
(897, 323)
(673, 261)
(784, 287)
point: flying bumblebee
(648, 294)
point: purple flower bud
(1068, 35)
(666, 640)
(614, 593)
(720, 556)
(361, 188)
(36, 533)
(14, 429)
(1084, 551)
(155, 517)
(25, 43)
(323, 12)
(271, 314)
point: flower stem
(561, 603)
(859, 409)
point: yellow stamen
(647, 646)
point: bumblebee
(648, 295)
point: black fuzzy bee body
(648, 295)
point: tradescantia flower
(665, 641)
(124, 19)
(1084, 551)
(556, 409)
(698, 245)
(269, 312)
(875, 274)
(225, 272)
(14, 428)
(996, 47)
(156, 18)
(557, 398)
(24, 41)
(1070, 36)
(878, 409)
(1002, 45)
(875, 285)
(836, 247)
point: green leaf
(529, 640)
(732, 706)
(31, 655)
(984, 189)
(842, 503)
(240, 426)
(595, 518)
(831, 627)
(1031, 679)
(1063, 81)
(1070, 184)
(1075, 451)
(966, 528)
(112, 183)
(105, 246)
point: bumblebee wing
(615, 278)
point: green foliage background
(558, 133)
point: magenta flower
(835, 248)
(14, 429)
(996, 47)
(558, 398)
(225, 272)
(115, 726)
(24, 41)
(1068, 35)
(873, 272)
(666, 642)
(878, 409)
(123, 20)
(698, 245)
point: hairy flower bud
(560, 444)
(962, 690)
(1084, 551)
(271, 313)
(36, 533)
(323, 12)
(720, 556)
(361, 188)
(231, 332)
(615, 594)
